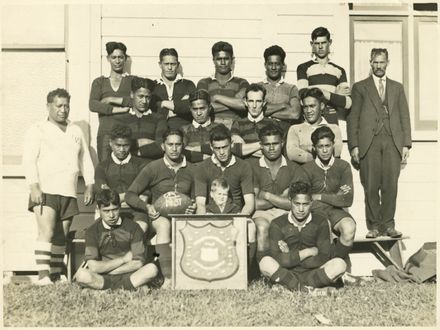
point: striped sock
(42, 258)
(57, 258)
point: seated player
(272, 176)
(225, 89)
(196, 134)
(172, 90)
(298, 144)
(245, 142)
(219, 201)
(114, 250)
(300, 247)
(171, 173)
(332, 188)
(119, 170)
(236, 172)
(147, 127)
(282, 99)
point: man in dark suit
(379, 139)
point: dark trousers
(103, 146)
(379, 172)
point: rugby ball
(172, 202)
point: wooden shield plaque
(209, 251)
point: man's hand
(120, 109)
(109, 100)
(344, 190)
(167, 104)
(316, 197)
(36, 193)
(405, 154)
(191, 209)
(144, 141)
(88, 195)
(283, 246)
(343, 90)
(237, 139)
(152, 213)
(355, 154)
(127, 257)
(312, 251)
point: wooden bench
(385, 249)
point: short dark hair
(312, 92)
(121, 132)
(378, 51)
(274, 50)
(112, 45)
(219, 182)
(222, 46)
(59, 92)
(105, 197)
(220, 133)
(199, 94)
(171, 131)
(299, 188)
(139, 82)
(168, 52)
(320, 32)
(270, 130)
(321, 133)
(255, 88)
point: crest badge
(209, 251)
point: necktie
(381, 90)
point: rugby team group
(270, 150)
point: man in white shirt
(299, 145)
(55, 151)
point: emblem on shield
(209, 252)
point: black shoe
(373, 233)
(393, 233)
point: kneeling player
(300, 246)
(114, 250)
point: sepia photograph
(219, 164)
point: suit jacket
(366, 111)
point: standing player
(299, 147)
(115, 253)
(282, 99)
(245, 142)
(332, 189)
(272, 176)
(379, 139)
(119, 170)
(226, 90)
(55, 151)
(300, 247)
(110, 96)
(327, 76)
(171, 173)
(172, 90)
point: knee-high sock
(57, 258)
(42, 258)
(288, 279)
(164, 251)
(341, 250)
(252, 249)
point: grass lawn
(65, 305)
